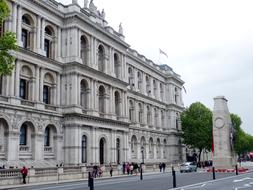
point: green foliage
(197, 127)
(7, 43)
(4, 10)
(243, 141)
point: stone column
(13, 146)
(41, 83)
(74, 89)
(38, 36)
(38, 149)
(144, 84)
(58, 89)
(12, 81)
(14, 17)
(37, 85)
(17, 79)
(42, 35)
(19, 25)
(59, 38)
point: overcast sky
(208, 42)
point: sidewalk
(77, 180)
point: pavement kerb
(74, 180)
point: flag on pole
(162, 52)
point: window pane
(23, 135)
(23, 89)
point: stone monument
(224, 155)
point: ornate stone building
(80, 95)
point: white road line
(210, 181)
(240, 180)
(195, 187)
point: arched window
(117, 103)
(102, 150)
(3, 137)
(49, 141)
(161, 91)
(23, 135)
(134, 147)
(158, 150)
(47, 137)
(101, 58)
(156, 117)
(140, 113)
(164, 149)
(25, 84)
(130, 77)
(131, 110)
(148, 90)
(84, 94)
(84, 149)
(139, 80)
(27, 32)
(151, 148)
(49, 89)
(117, 66)
(176, 95)
(148, 116)
(102, 98)
(143, 146)
(118, 150)
(162, 119)
(155, 87)
(84, 50)
(48, 42)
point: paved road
(161, 181)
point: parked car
(188, 167)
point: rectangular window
(47, 47)
(46, 94)
(23, 89)
(25, 38)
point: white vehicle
(188, 167)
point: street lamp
(142, 154)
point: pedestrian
(111, 170)
(124, 167)
(160, 167)
(24, 172)
(163, 166)
(128, 168)
(131, 168)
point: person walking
(24, 172)
(160, 167)
(111, 170)
(124, 168)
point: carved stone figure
(92, 7)
(103, 14)
(85, 5)
(120, 29)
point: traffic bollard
(213, 173)
(91, 183)
(141, 177)
(174, 177)
(89, 176)
(236, 169)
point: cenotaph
(224, 155)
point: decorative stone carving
(85, 4)
(120, 29)
(92, 7)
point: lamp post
(142, 154)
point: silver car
(188, 167)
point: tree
(197, 127)
(243, 141)
(7, 43)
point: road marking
(240, 180)
(194, 186)
(244, 186)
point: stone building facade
(80, 95)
